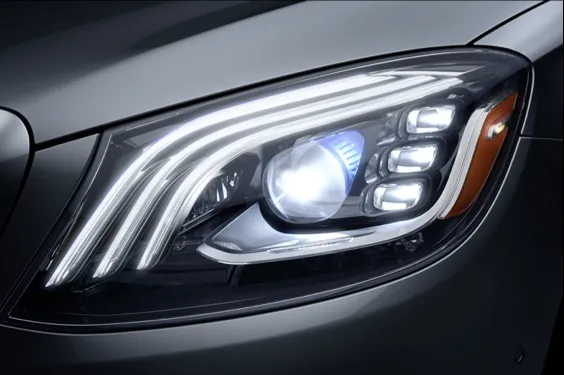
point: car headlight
(267, 186)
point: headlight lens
(350, 163)
(310, 182)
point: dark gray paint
(14, 154)
(533, 34)
(538, 35)
(465, 313)
(118, 67)
(548, 76)
(54, 174)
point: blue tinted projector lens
(309, 182)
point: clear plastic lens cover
(277, 193)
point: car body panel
(522, 34)
(538, 35)
(473, 311)
(14, 156)
(52, 179)
(115, 68)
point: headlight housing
(280, 193)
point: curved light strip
(85, 242)
(138, 215)
(269, 245)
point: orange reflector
(489, 143)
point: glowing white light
(302, 185)
(397, 197)
(495, 130)
(306, 183)
(430, 119)
(409, 159)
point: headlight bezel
(465, 224)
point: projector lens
(310, 182)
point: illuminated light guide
(79, 248)
(267, 127)
(409, 159)
(397, 197)
(488, 146)
(430, 119)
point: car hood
(99, 70)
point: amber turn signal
(488, 146)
